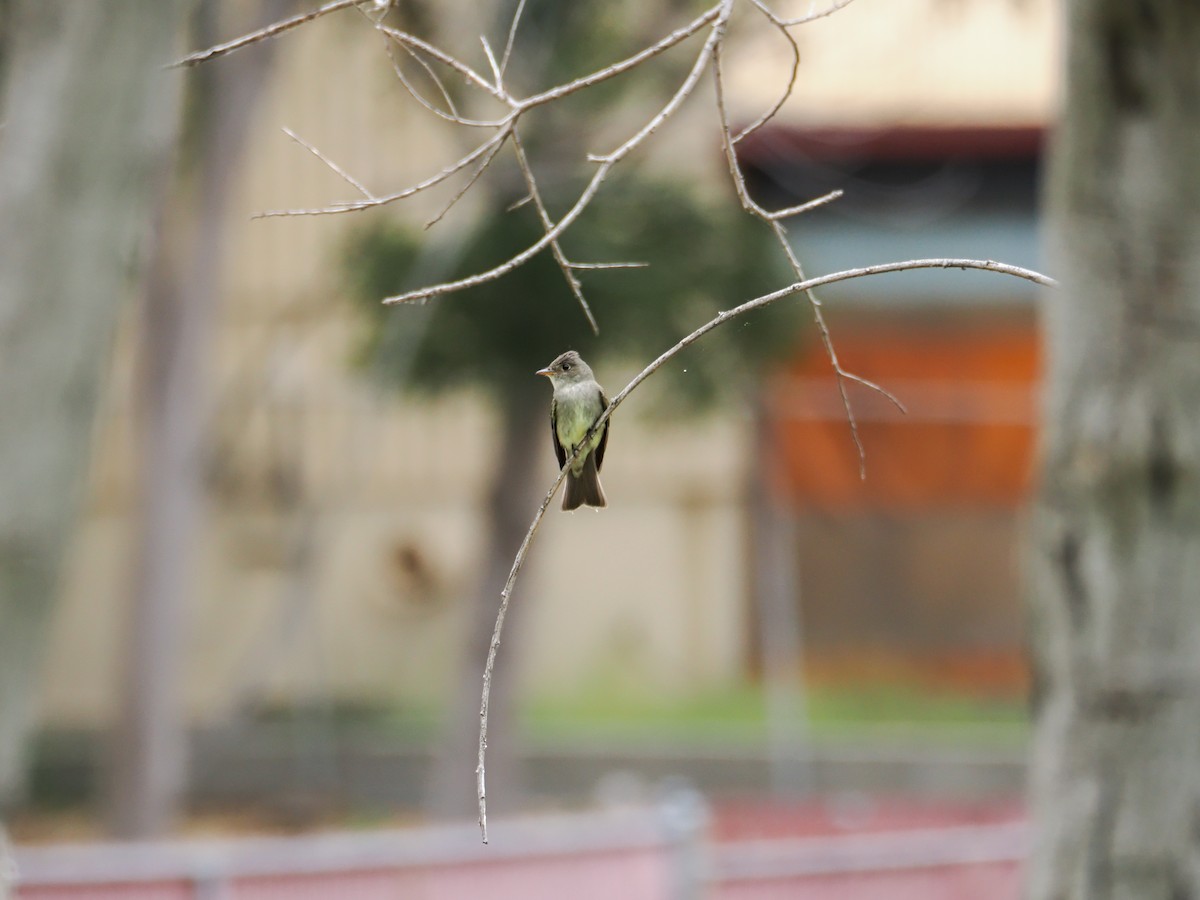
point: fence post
(685, 817)
(8, 865)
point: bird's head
(568, 368)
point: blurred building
(912, 572)
(342, 536)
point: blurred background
(314, 499)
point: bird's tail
(584, 489)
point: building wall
(912, 574)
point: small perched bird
(577, 403)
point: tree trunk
(1115, 571)
(774, 555)
(511, 503)
(149, 753)
(89, 117)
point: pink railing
(660, 853)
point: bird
(577, 403)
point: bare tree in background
(89, 117)
(505, 115)
(1115, 580)
(148, 753)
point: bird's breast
(576, 408)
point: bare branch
(494, 646)
(491, 58)
(453, 115)
(610, 265)
(479, 170)
(788, 212)
(791, 82)
(727, 142)
(561, 258)
(262, 34)
(617, 68)
(866, 382)
(336, 169)
(800, 287)
(352, 206)
(811, 16)
(721, 318)
(411, 40)
(411, 88)
(819, 14)
(774, 220)
(419, 48)
(589, 192)
(512, 36)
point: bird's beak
(546, 372)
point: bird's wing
(558, 448)
(604, 436)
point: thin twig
(609, 265)
(512, 36)
(492, 61)
(453, 115)
(354, 205)
(808, 206)
(548, 224)
(411, 40)
(791, 81)
(261, 34)
(819, 14)
(589, 192)
(774, 221)
(433, 76)
(334, 167)
(617, 68)
(811, 16)
(720, 319)
(479, 170)
(727, 142)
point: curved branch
(791, 82)
(986, 265)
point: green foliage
(866, 711)
(494, 336)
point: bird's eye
(566, 367)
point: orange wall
(967, 440)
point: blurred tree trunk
(90, 115)
(774, 556)
(524, 432)
(148, 750)
(1115, 574)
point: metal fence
(636, 854)
(979, 862)
(656, 853)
